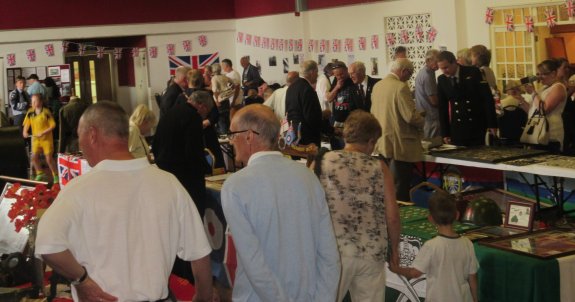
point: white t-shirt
(125, 221)
(322, 88)
(277, 101)
(447, 263)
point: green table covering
(509, 277)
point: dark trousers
(402, 175)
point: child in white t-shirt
(448, 260)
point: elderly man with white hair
(363, 82)
(402, 125)
(174, 90)
(426, 94)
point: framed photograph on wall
(54, 71)
(519, 215)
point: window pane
(519, 40)
(500, 54)
(77, 89)
(510, 54)
(93, 81)
(511, 71)
(520, 68)
(520, 54)
(500, 39)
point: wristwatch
(81, 279)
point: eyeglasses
(232, 134)
(543, 73)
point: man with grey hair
(277, 101)
(363, 83)
(402, 124)
(302, 105)
(426, 94)
(282, 230)
(251, 78)
(174, 90)
(115, 232)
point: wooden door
(91, 77)
(555, 47)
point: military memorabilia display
(560, 161)
(411, 214)
(500, 197)
(482, 211)
(491, 232)
(520, 215)
(529, 161)
(426, 229)
(487, 154)
(541, 244)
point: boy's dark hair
(442, 208)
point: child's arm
(408, 272)
(473, 286)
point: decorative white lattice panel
(398, 26)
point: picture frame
(54, 71)
(519, 215)
(544, 244)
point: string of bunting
(550, 17)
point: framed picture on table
(519, 215)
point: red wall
(251, 8)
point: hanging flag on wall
(374, 42)
(348, 46)
(266, 43)
(390, 39)
(240, 37)
(11, 58)
(419, 34)
(336, 45)
(49, 48)
(118, 53)
(291, 45)
(135, 52)
(529, 24)
(362, 42)
(171, 49)
(509, 23)
(203, 40)
(31, 55)
(100, 52)
(65, 45)
(489, 15)
(195, 62)
(187, 45)
(404, 36)
(153, 52)
(570, 5)
(310, 45)
(323, 45)
(81, 49)
(299, 44)
(248, 39)
(431, 34)
(550, 17)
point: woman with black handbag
(551, 101)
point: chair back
(512, 122)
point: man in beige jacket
(402, 124)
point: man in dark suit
(302, 105)
(462, 91)
(174, 90)
(363, 83)
(251, 78)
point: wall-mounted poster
(374, 67)
(272, 61)
(54, 71)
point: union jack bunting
(248, 39)
(431, 34)
(118, 53)
(31, 54)
(310, 45)
(240, 37)
(203, 40)
(49, 48)
(135, 52)
(529, 24)
(299, 44)
(404, 36)
(348, 45)
(291, 45)
(570, 5)
(11, 58)
(419, 34)
(336, 45)
(362, 42)
(65, 45)
(390, 39)
(81, 49)
(266, 43)
(273, 43)
(187, 45)
(257, 41)
(550, 17)
(100, 51)
(280, 45)
(70, 166)
(153, 52)
(489, 15)
(509, 23)
(323, 46)
(171, 49)
(374, 42)
(195, 62)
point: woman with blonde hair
(142, 121)
(481, 58)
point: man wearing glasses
(278, 216)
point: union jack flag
(374, 42)
(489, 15)
(348, 46)
(118, 53)
(550, 17)
(187, 45)
(362, 43)
(419, 34)
(509, 23)
(336, 45)
(195, 62)
(49, 48)
(529, 23)
(257, 41)
(299, 44)
(431, 34)
(69, 167)
(171, 49)
(248, 40)
(240, 37)
(203, 40)
(310, 45)
(273, 43)
(390, 39)
(81, 49)
(266, 43)
(11, 58)
(100, 51)
(65, 45)
(291, 45)
(570, 5)
(153, 51)
(31, 54)
(135, 52)
(323, 45)
(404, 36)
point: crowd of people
(298, 236)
